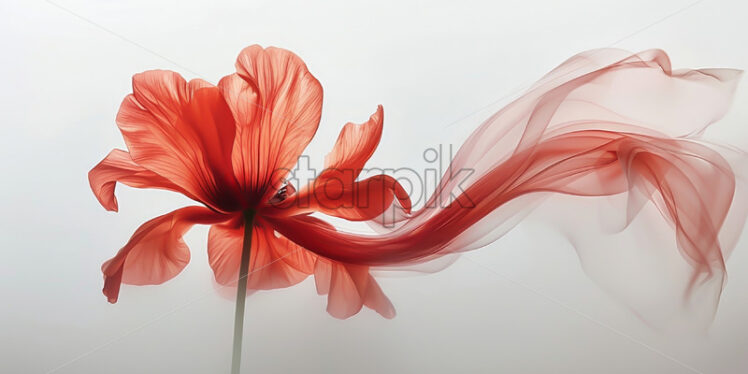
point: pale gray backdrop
(521, 305)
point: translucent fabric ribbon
(609, 140)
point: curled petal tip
(389, 313)
(111, 291)
(342, 314)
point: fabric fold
(603, 124)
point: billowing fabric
(617, 134)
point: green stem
(241, 292)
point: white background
(520, 305)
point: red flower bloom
(603, 124)
(230, 147)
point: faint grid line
(162, 316)
(663, 19)
(526, 85)
(585, 316)
(130, 41)
(119, 36)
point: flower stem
(241, 291)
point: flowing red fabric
(604, 123)
(608, 138)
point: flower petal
(356, 144)
(183, 132)
(349, 287)
(358, 201)
(336, 192)
(275, 262)
(287, 102)
(156, 252)
(118, 166)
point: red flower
(230, 147)
(603, 124)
